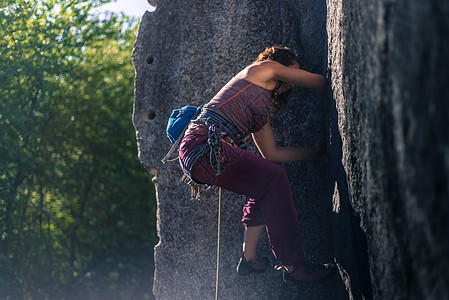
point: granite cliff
(375, 204)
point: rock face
(388, 64)
(386, 125)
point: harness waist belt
(231, 134)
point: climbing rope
(218, 242)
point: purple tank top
(245, 103)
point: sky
(133, 8)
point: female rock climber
(211, 153)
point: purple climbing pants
(271, 202)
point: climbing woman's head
(282, 55)
(286, 57)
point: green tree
(77, 209)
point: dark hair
(285, 56)
(282, 55)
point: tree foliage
(77, 209)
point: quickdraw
(214, 141)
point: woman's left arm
(276, 71)
(266, 143)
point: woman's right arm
(266, 144)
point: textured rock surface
(387, 128)
(197, 47)
(388, 64)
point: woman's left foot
(306, 272)
(246, 267)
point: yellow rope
(218, 242)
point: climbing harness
(220, 129)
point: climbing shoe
(246, 267)
(306, 272)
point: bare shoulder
(260, 73)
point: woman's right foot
(246, 267)
(307, 271)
